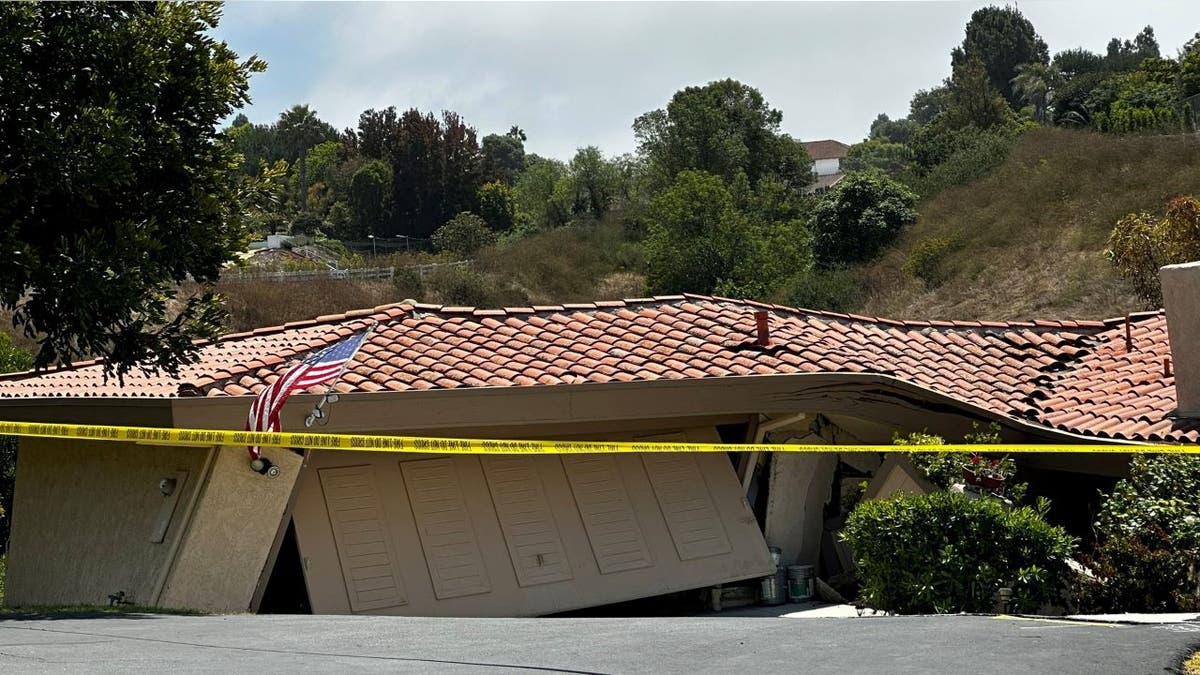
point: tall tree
(115, 184)
(503, 156)
(1002, 39)
(973, 100)
(595, 181)
(1034, 84)
(370, 194)
(927, 104)
(377, 130)
(721, 128)
(301, 129)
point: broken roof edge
(398, 310)
(741, 394)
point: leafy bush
(465, 234)
(1149, 555)
(926, 259)
(1141, 243)
(861, 215)
(948, 552)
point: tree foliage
(1141, 243)
(503, 156)
(860, 215)
(721, 128)
(370, 199)
(465, 234)
(700, 241)
(1000, 38)
(1150, 540)
(115, 184)
(498, 206)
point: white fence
(386, 273)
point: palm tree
(301, 129)
(1035, 84)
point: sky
(573, 74)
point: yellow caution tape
(463, 446)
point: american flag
(320, 368)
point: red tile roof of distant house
(826, 149)
(1075, 376)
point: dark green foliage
(12, 359)
(927, 104)
(894, 159)
(1148, 559)
(893, 131)
(722, 128)
(300, 129)
(370, 198)
(974, 100)
(861, 215)
(465, 234)
(1001, 38)
(946, 552)
(503, 157)
(115, 185)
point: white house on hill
(827, 156)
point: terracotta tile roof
(1076, 376)
(826, 149)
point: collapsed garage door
(510, 535)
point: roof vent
(762, 322)
(1181, 298)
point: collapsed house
(519, 535)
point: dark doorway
(286, 592)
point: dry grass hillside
(1028, 239)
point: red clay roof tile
(1071, 375)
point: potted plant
(988, 473)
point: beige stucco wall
(228, 541)
(1181, 298)
(84, 515)
(383, 533)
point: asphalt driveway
(270, 644)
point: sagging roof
(1074, 376)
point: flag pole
(318, 411)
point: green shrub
(858, 217)
(926, 260)
(465, 234)
(947, 552)
(1148, 559)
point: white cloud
(574, 74)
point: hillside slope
(1028, 239)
